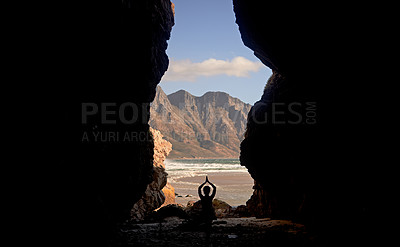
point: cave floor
(225, 232)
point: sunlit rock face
(155, 194)
(301, 135)
(208, 126)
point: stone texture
(170, 210)
(232, 232)
(222, 209)
(112, 58)
(169, 193)
(258, 205)
(154, 195)
(240, 211)
(313, 173)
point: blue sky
(207, 54)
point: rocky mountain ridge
(209, 126)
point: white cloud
(186, 70)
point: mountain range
(209, 126)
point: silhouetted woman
(208, 212)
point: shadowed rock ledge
(157, 191)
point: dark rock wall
(154, 195)
(114, 56)
(315, 172)
(309, 163)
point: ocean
(234, 184)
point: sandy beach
(235, 188)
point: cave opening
(302, 176)
(198, 122)
(202, 102)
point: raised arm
(214, 188)
(199, 189)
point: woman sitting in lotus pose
(208, 212)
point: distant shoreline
(202, 158)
